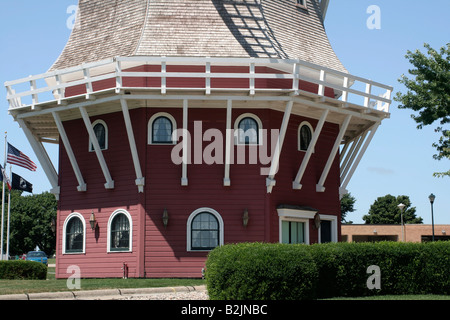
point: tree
(385, 211)
(429, 94)
(30, 224)
(347, 205)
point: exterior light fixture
(165, 218)
(53, 225)
(432, 197)
(401, 206)
(245, 218)
(92, 220)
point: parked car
(38, 256)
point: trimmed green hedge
(254, 271)
(20, 269)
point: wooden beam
(109, 181)
(73, 161)
(320, 185)
(228, 144)
(184, 178)
(297, 182)
(43, 157)
(140, 180)
(270, 181)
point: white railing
(52, 86)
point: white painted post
(76, 169)
(297, 182)
(184, 178)
(228, 145)
(320, 185)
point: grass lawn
(54, 285)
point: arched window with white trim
(161, 127)
(74, 234)
(305, 133)
(248, 130)
(101, 133)
(120, 232)
(204, 230)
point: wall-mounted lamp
(374, 231)
(245, 218)
(92, 220)
(443, 232)
(53, 225)
(165, 218)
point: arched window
(305, 133)
(119, 226)
(161, 127)
(248, 127)
(74, 230)
(101, 133)
(205, 230)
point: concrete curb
(95, 294)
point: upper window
(301, 3)
(74, 230)
(101, 133)
(305, 133)
(249, 129)
(205, 230)
(161, 128)
(119, 231)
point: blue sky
(398, 161)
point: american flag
(18, 158)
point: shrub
(20, 269)
(255, 271)
(283, 272)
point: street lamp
(401, 206)
(432, 197)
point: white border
(130, 221)
(304, 123)
(295, 215)
(102, 122)
(334, 225)
(189, 223)
(150, 128)
(83, 221)
(236, 129)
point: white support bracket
(228, 145)
(360, 155)
(296, 184)
(109, 181)
(320, 185)
(73, 161)
(43, 157)
(270, 181)
(140, 180)
(184, 178)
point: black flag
(19, 183)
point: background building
(390, 232)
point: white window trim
(334, 226)
(70, 216)
(130, 221)
(91, 147)
(150, 128)
(236, 129)
(189, 223)
(304, 123)
(303, 6)
(295, 215)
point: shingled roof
(201, 28)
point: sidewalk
(108, 294)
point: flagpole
(9, 215)
(3, 202)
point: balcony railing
(206, 75)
